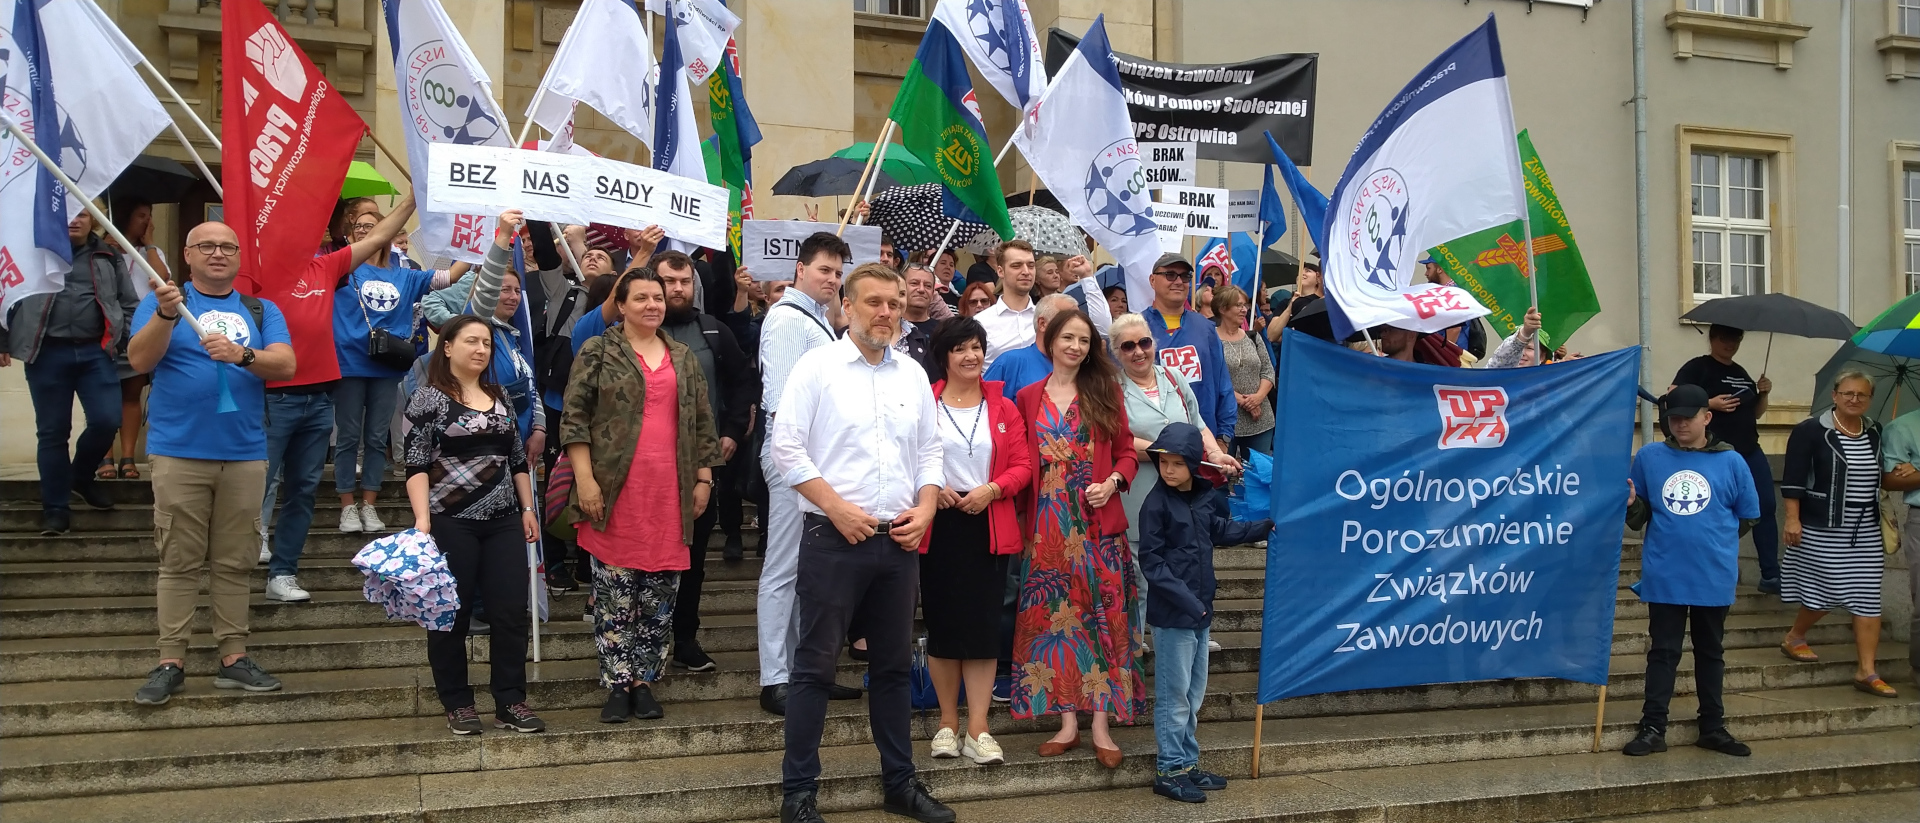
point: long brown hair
(1098, 381)
(440, 367)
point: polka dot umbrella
(1049, 231)
(913, 217)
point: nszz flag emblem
(1472, 417)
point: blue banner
(1442, 525)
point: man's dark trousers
(686, 606)
(1766, 530)
(877, 582)
(1667, 625)
(65, 369)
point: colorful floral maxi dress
(1074, 647)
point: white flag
(1083, 147)
(676, 134)
(704, 27)
(110, 115)
(33, 234)
(997, 36)
(605, 61)
(445, 97)
(1439, 163)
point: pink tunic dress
(643, 530)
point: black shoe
(644, 706)
(464, 721)
(618, 708)
(774, 700)
(836, 691)
(94, 493)
(856, 653)
(691, 657)
(518, 717)
(1647, 742)
(799, 808)
(1178, 786)
(1720, 741)
(734, 551)
(55, 522)
(246, 674)
(558, 580)
(1205, 780)
(1769, 585)
(916, 803)
(165, 681)
(477, 626)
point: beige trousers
(206, 517)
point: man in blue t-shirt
(1695, 497)
(208, 444)
(1189, 343)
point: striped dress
(1841, 567)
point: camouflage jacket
(606, 399)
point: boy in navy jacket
(1181, 521)
(1695, 497)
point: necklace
(978, 412)
(1843, 429)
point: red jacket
(1112, 454)
(1011, 468)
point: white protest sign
(1168, 164)
(1206, 209)
(769, 248)
(1243, 210)
(1171, 222)
(566, 187)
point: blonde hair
(1125, 322)
(869, 271)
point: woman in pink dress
(640, 435)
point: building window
(901, 8)
(1910, 222)
(1736, 8)
(1731, 231)
(1907, 18)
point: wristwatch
(246, 356)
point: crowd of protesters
(1012, 446)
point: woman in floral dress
(1074, 645)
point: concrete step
(136, 545)
(140, 492)
(746, 786)
(120, 762)
(24, 518)
(1855, 807)
(71, 706)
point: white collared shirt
(868, 430)
(1007, 328)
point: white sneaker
(370, 518)
(286, 589)
(982, 750)
(1213, 646)
(350, 519)
(944, 744)
(266, 551)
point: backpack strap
(258, 311)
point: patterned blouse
(469, 456)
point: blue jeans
(298, 426)
(1179, 684)
(61, 371)
(362, 413)
(1262, 442)
(1766, 531)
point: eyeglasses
(1853, 395)
(210, 249)
(1183, 276)
(980, 301)
(1143, 344)
(364, 226)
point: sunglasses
(1183, 276)
(1143, 344)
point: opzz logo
(1183, 359)
(1472, 417)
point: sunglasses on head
(1173, 274)
(1129, 346)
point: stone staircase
(357, 734)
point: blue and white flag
(107, 114)
(676, 134)
(1439, 163)
(34, 250)
(704, 27)
(997, 37)
(1083, 148)
(445, 97)
(605, 61)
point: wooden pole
(399, 161)
(1599, 716)
(1259, 718)
(879, 167)
(885, 132)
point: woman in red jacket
(963, 576)
(1074, 646)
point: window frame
(1720, 7)
(1726, 226)
(1777, 152)
(1903, 159)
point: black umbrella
(1313, 320)
(1038, 197)
(157, 180)
(1774, 314)
(1896, 381)
(831, 177)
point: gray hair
(1852, 374)
(1124, 323)
(1053, 304)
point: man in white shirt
(856, 438)
(1009, 323)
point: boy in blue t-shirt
(1695, 497)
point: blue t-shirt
(592, 324)
(1692, 551)
(1194, 350)
(388, 297)
(182, 416)
(1019, 369)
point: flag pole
(526, 128)
(879, 160)
(398, 163)
(178, 100)
(197, 162)
(935, 259)
(885, 132)
(98, 217)
(1259, 715)
(1599, 716)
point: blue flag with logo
(1444, 525)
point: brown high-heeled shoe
(1109, 758)
(1052, 749)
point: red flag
(288, 138)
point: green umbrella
(363, 181)
(1896, 331)
(1896, 381)
(900, 164)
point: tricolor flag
(34, 250)
(605, 61)
(445, 97)
(1439, 163)
(939, 121)
(997, 36)
(1083, 149)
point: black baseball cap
(1683, 401)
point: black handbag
(384, 347)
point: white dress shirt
(868, 430)
(1007, 328)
